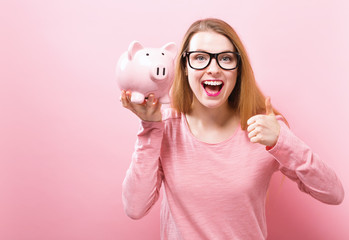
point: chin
(212, 104)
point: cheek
(194, 78)
(233, 77)
(232, 80)
(192, 82)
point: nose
(213, 67)
(159, 72)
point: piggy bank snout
(159, 72)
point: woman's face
(212, 85)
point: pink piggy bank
(147, 70)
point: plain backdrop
(66, 142)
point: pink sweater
(216, 191)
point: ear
(134, 47)
(171, 47)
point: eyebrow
(202, 50)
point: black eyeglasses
(226, 60)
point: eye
(147, 54)
(163, 53)
(200, 57)
(226, 57)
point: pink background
(66, 141)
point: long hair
(246, 98)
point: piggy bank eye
(147, 54)
(163, 53)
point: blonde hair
(246, 98)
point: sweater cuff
(151, 130)
(289, 150)
(150, 124)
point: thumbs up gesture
(264, 128)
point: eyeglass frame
(212, 55)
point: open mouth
(212, 87)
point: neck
(212, 117)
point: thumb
(268, 107)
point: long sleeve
(300, 164)
(140, 189)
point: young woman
(217, 147)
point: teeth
(213, 83)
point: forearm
(140, 189)
(299, 163)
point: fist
(264, 128)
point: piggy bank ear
(134, 47)
(171, 47)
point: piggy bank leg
(165, 99)
(137, 97)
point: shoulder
(174, 126)
(169, 114)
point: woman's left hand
(264, 129)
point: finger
(268, 107)
(252, 134)
(128, 95)
(255, 119)
(251, 127)
(121, 95)
(251, 120)
(123, 99)
(256, 131)
(150, 100)
(126, 101)
(255, 139)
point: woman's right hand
(149, 110)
